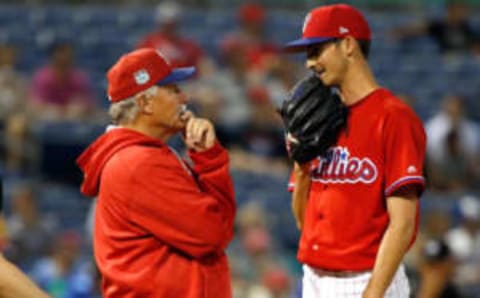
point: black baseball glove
(313, 115)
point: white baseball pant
(321, 284)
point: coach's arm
(402, 209)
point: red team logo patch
(339, 167)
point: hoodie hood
(95, 157)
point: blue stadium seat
(194, 18)
(95, 16)
(11, 15)
(66, 202)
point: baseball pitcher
(359, 154)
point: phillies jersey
(381, 150)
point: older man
(161, 225)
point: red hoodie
(160, 228)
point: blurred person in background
(254, 241)
(283, 76)
(454, 172)
(21, 150)
(250, 59)
(454, 34)
(453, 143)
(258, 271)
(179, 50)
(264, 133)
(63, 273)
(221, 96)
(436, 271)
(464, 241)
(3, 233)
(13, 85)
(240, 102)
(278, 282)
(16, 148)
(59, 90)
(434, 224)
(250, 40)
(31, 233)
(13, 282)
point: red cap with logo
(329, 22)
(141, 69)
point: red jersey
(180, 52)
(382, 149)
(160, 228)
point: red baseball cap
(329, 22)
(141, 69)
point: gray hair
(126, 110)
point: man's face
(328, 62)
(167, 107)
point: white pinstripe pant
(317, 285)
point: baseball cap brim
(177, 75)
(301, 44)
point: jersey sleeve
(404, 154)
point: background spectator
(453, 33)
(59, 91)
(436, 271)
(13, 85)
(179, 50)
(453, 144)
(13, 124)
(464, 241)
(64, 274)
(31, 233)
(250, 39)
